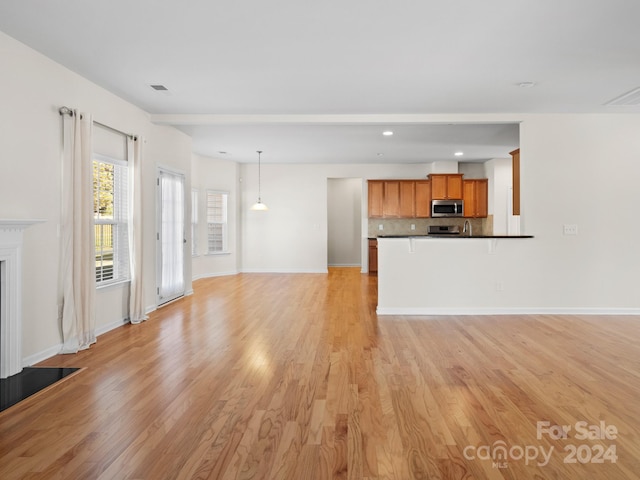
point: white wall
(344, 208)
(472, 170)
(292, 235)
(444, 166)
(221, 175)
(32, 88)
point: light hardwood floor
(295, 377)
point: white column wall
(499, 173)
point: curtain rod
(67, 111)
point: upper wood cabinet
(475, 196)
(423, 199)
(445, 186)
(398, 198)
(376, 198)
(407, 207)
(393, 198)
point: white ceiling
(339, 57)
(355, 143)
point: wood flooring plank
(294, 376)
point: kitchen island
(452, 274)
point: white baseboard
(507, 311)
(215, 274)
(110, 326)
(150, 308)
(41, 356)
(284, 270)
(56, 349)
(263, 270)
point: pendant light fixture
(259, 206)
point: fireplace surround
(11, 233)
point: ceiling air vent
(629, 99)
(160, 88)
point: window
(110, 210)
(194, 222)
(217, 221)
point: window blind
(111, 206)
(216, 221)
(194, 222)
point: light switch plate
(570, 229)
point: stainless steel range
(443, 230)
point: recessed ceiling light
(527, 84)
(459, 154)
(160, 88)
(222, 152)
(380, 154)
(387, 133)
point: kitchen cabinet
(475, 196)
(399, 199)
(373, 255)
(407, 199)
(391, 198)
(376, 198)
(423, 199)
(446, 186)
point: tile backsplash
(402, 226)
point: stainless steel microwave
(447, 208)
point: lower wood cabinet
(373, 255)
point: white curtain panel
(134, 157)
(77, 264)
(172, 236)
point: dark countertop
(454, 236)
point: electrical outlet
(380, 227)
(499, 286)
(413, 227)
(570, 229)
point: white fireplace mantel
(11, 294)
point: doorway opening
(344, 222)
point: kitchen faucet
(467, 228)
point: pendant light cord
(259, 177)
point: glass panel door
(171, 238)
